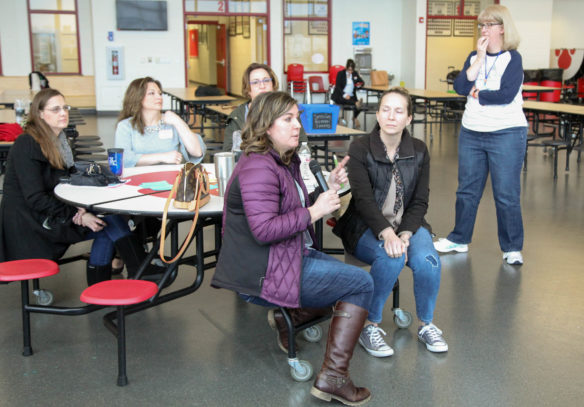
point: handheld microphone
(317, 172)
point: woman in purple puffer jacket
(267, 255)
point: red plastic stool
(23, 271)
(120, 293)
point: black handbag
(90, 173)
(206, 90)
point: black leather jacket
(341, 82)
(370, 178)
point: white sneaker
(444, 246)
(513, 258)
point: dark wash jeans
(102, 249)
(501, 154)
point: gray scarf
(65, 150)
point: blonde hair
(39, 129)
(502, 15)
(263, 112)
(132, 106)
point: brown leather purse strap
(165, 217)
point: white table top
(139, 204)
(554, 107)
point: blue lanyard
(490, 69)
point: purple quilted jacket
(263, 225)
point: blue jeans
(501, 153)
(102, 249)
(326, 280)
(422, 259)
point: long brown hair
(246, 87)
(263, 112)
(132, 106)
(40, 131)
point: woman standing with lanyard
(493, 135)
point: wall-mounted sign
(464, 28)
(361, 33)
(439, 27)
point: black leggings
(349, 102)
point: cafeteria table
(341, 133)
(571, 123)
(131, 199)
(184, 99)
(435, 102)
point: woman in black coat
(34, 223)
(385, 225)
(347, 82)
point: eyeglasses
(256, 82)
(488, 25)
(57, 109)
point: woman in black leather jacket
(384, 225)
(346, 84)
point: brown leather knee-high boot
(299, 316)
(333, 381)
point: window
(54, 36)
(457, 8)
(222, 6)
(307, 34)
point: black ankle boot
(117, 270)
(133, 254)
(96, 274)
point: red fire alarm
(421, 20)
